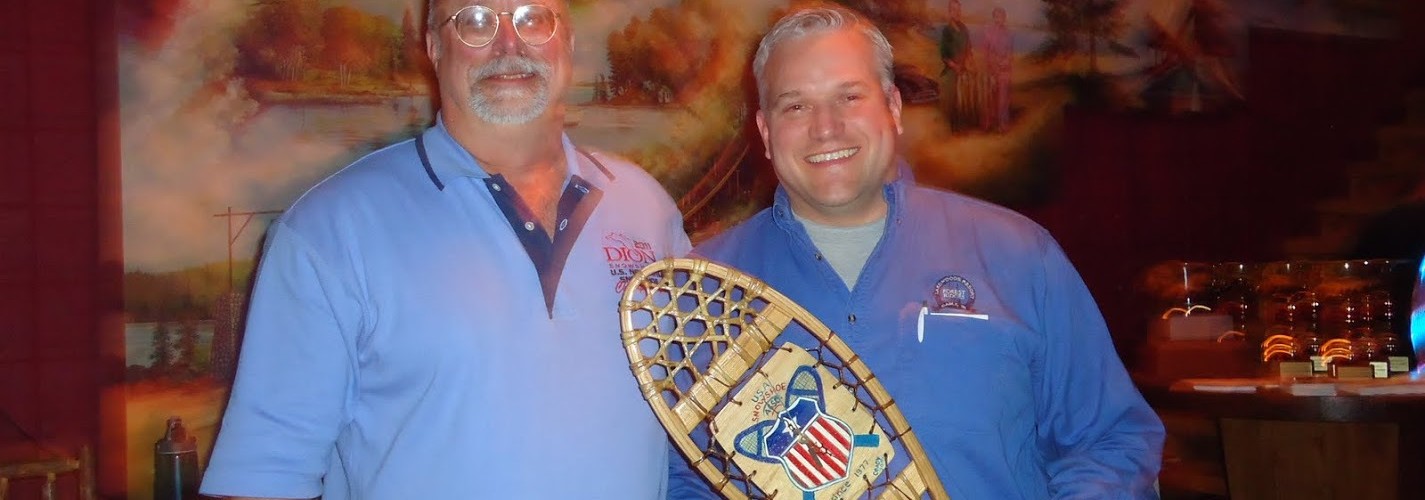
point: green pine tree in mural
(161, 359)
(1085, 28)
(186, 347)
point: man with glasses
(438, 320)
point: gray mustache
(512, 64)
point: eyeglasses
(477, 25)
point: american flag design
(814, 448)
(793, 434)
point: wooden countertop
(1275, 401)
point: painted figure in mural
(998, 50)
(971, 315)
(956, 53)
(437, 319)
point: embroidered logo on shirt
(954, 292)
(626, 255)
(953, 296)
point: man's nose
(826, 122)
(507, 41)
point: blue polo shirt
(974, 320)
(414, 333)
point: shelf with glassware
(1333, 320)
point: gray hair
(817, 20)
(431, 23)
(430, 16)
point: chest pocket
(963, 374)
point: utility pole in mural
(1079, 28)
(228, 311)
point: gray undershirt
(845, 248)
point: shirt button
(495, 186)
(529, 226)
(851, 318)
(818, 256)
(563, 224)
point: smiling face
(830, 127)
(506, 82)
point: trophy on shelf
(1340, 323)
(1199, 319)
(1186, 294)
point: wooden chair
(31, 465)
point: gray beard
(510, 106)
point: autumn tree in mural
(890, 13)
(357, 43)
(657, 60)
(276, 41)
(690, 57)
(301, 47)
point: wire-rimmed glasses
(477, 25)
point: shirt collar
(447, 159)
(894, 191)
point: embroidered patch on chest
(954, 292)
(626, 255)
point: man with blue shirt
(970, 315)
(439, 319)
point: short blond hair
(816, 20)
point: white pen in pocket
(925, 311)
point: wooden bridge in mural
(724, 168)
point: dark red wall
(49, 223)
(1231, 186)
(1139, 189)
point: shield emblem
(814, 448)
(799, 435)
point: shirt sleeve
(295, 372)
(1101, 438)
(683, 482)
(680, 245)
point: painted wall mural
(230, 109)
